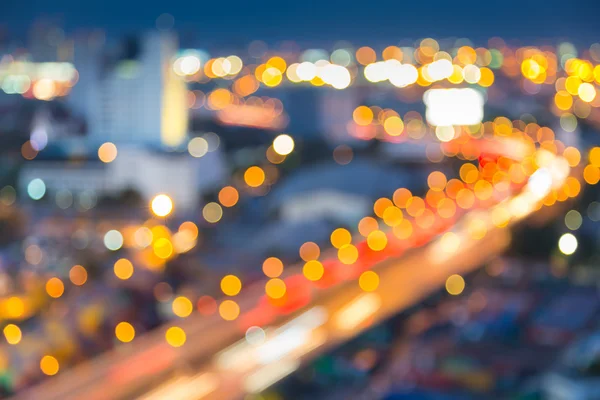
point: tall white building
(140, 100)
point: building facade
(135, 99)
(148, 172)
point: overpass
(218, 361)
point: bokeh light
(107, 152)
(124, 332)
(175, 336)
(123, 269)
(49, 365)
(162, 205)
(567, 244)
(368, 281)
(272, 267)
(231, 285)
(283, 144)
(455, 284)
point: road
(217, 362)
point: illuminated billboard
(447, 107)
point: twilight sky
(360, 22)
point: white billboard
(447, 107)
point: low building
(143, 170)
(341, 193)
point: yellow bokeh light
(531, 69)
(368, 281)
(161, 205)
(563, 100)
(49, 365)
(572, 186)
(377, 240)
(392, 216)
(107, 152)
(175, 336)
(277, 63)
(123, 269)
(348, 254)
(466, 55)
(163, 248)
(340, 237)
(313, 270)
(457, 75)
(271, 77)
(487, 77)
(254, 176)
(381, 205)
(55, 287)
(362, 115)
(182, 306)
(14, 307)
(229, 310)
(275, 288)
(591, 174)
(125, 332)
(572, 84)
(231, 285)
(469, 173)
(594, 156)
(455, 284)
(12, 333)
(219, 99)
(393, 126)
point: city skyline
(397, 202)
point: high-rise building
(136, 97)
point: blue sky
(332, 20)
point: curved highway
(218, 362)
